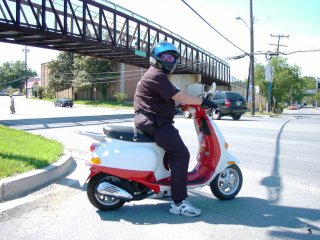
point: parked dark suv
(230, 104)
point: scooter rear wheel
(227, 184)
(100, 201)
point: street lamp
(253, 107)
(26, 50)
(250, 89)
(239, 18)
(248, 83)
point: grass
(22, 152)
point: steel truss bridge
(102, 29)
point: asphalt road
(279, 198)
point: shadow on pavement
(247, 211)
(273, 182)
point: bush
(121, 97)
(49, 93)
(40, 92)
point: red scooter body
(128, 166)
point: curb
(22, 184)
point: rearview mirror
(213, 87)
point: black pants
(168, 137)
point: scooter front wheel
(227, 184)
(100, 201)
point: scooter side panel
(127, 155)
(226, 157)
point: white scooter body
(143, 163)
(133, 156)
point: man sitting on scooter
(155, 102)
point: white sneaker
(185, 208)
(162, 194)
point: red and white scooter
(127, 165)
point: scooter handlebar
(206, 104)
(192, 108)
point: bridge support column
(122, 68)
(187, 82)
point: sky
(294, 18)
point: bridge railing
(104, 25)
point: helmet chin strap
(153, 61)
(156, 64)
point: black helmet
(160, 49)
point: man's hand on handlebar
(208, 104)
(183, 107)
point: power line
(301, 51)
(12, 81)
(214, 28)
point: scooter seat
(126, 133)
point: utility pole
(278, 45)
(253, 110)
(26, 50)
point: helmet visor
(167, 57)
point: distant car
(16, 93)
(63, 102)
(3, 93)
(293, 107)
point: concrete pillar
(187, 82)
(122, 68)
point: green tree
(310, 83)
(79, 72)
(259, 73)
(287, 84)
(98, 72)
(13, 74)
(61, 72)
(82, 81)
(317, 97)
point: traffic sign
(140, 53)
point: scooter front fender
(227, 160)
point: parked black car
(63, 102)
(230, 104)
